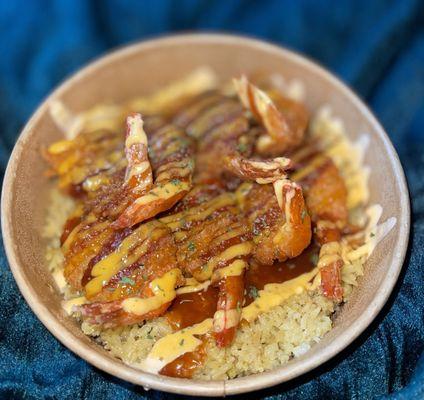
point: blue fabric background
(375, 46)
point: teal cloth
(375, 46)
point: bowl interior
(140, 69)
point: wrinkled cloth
(377, 47)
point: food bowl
(140, 69)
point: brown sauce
(259, 275)
(77, 191)
(70, 224)
(185, 365)
(189, 309)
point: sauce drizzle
(189, 309)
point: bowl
(140, 69)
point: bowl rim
(186, 386)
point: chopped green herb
(238, 306)
(175, 182)
(151, 152)
(185, 142)
(159, 288)
(201, 199)
(181, 342)
(372, 234)
(314, 258)
(152, 193)
(145, 277)
(253, 292)
(126, 280)
(241, 147)
(191, 246)
(149, 336)
(303, 214)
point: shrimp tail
(285, 120)
(261, 171)
(138, 174)
(330, 263)
(227, 316)
(172, 157)
(295, 235)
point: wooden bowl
(140, 69)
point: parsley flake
(181, 342)
(253, 292)
(303, 214)
(314, 258)
(372, 234)
(175, 182)
(191, 246)
(241, 147)
(126, 280)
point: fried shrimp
(214, 244)
(86, 163)
(133, 270)
(138, 174)
(219, 126)
(326, 199)
(284, 120)
(171, 154)
(274, 207)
